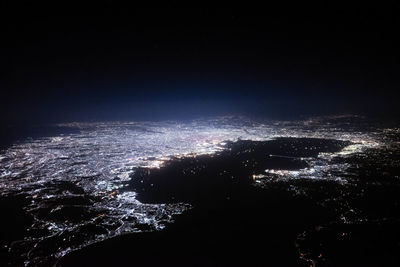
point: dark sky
(108, 63)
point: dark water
(224, 191)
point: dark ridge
(13, 224)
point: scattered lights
(94, 163)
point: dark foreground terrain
(237, 221)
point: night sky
(106, 63)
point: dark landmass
(13, 225)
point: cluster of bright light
(99, 157)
